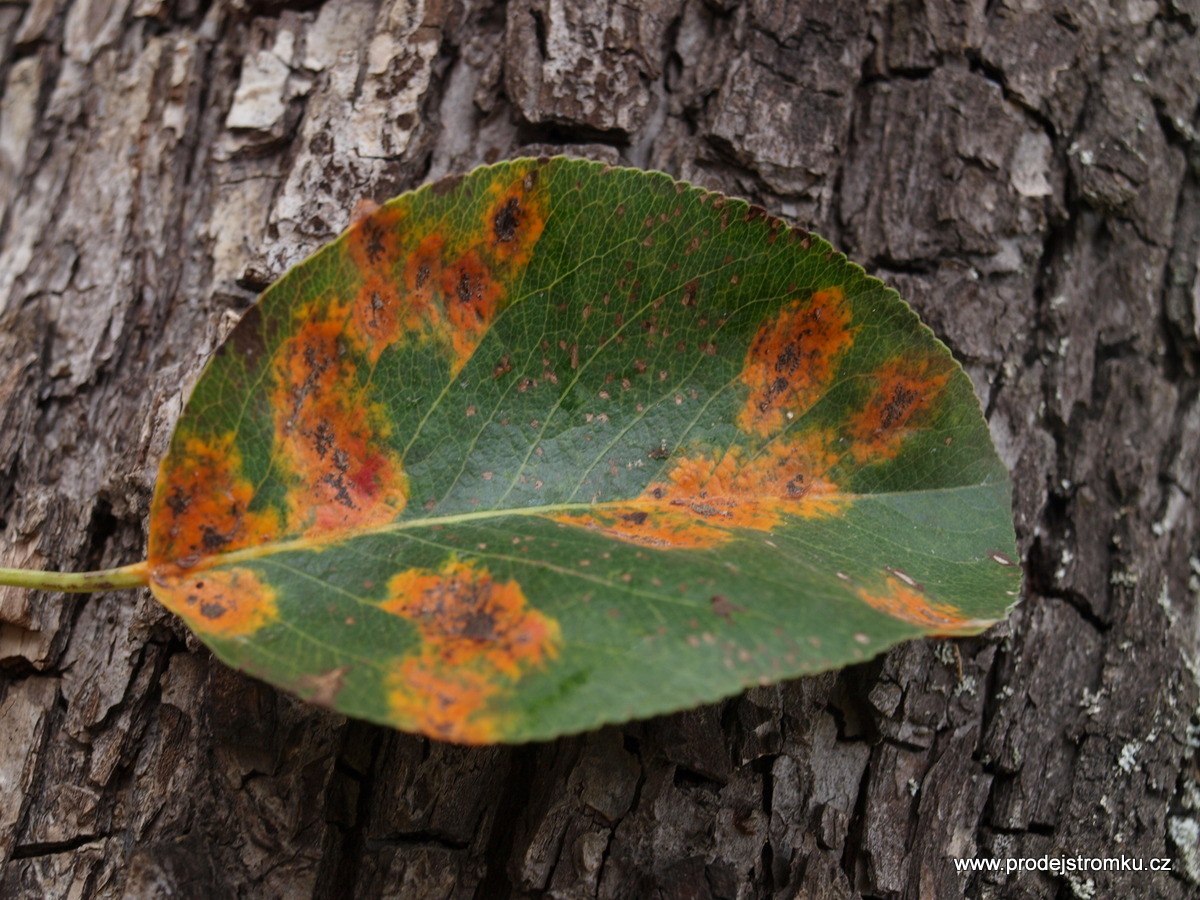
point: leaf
(557, 444)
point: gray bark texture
(1026, 172)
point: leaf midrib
(327, 539)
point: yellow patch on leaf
(331, 437)
(905, 392)
(478, 637)
(227, 602)
(909, 603)
(202, 505)
(792, 360)
(703, 498)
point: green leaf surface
(556, 444)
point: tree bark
(1026, 173)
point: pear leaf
(556, 444)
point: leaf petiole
(135, 575)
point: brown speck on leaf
(470, 411)
(723, 608)
(502, 368)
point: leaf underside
(557, 444)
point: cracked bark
(1027, 177)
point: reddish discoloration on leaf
(793, 358)
(478, 637)
(905, 392)
(331, 438)
(703, 499)
(909, 604)
(202, 506)
(229, 602)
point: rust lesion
(375, 241)
(204, 505)
(792, 360)
(704, 498)
(905, 393)
(331, 437)
(226, 602)
(906, 600)
(478, 636)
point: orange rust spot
(201, 507)
(378, 318)
(331, 437)
(478, 637)
(906, 390)
(909, 604)
(374, 242)
(793, 358)
(471, 297)
(514, 222)
(423, 271)
(229, 602)
(704, 498)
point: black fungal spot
(323, 438)
(178, 502)
(463, 288)
(893, 411)
(213, 540)
(374, 241)
(789, 357)
(507, 220)
(212, 610)
(422, 276)
(638, 517)
(337, 480)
